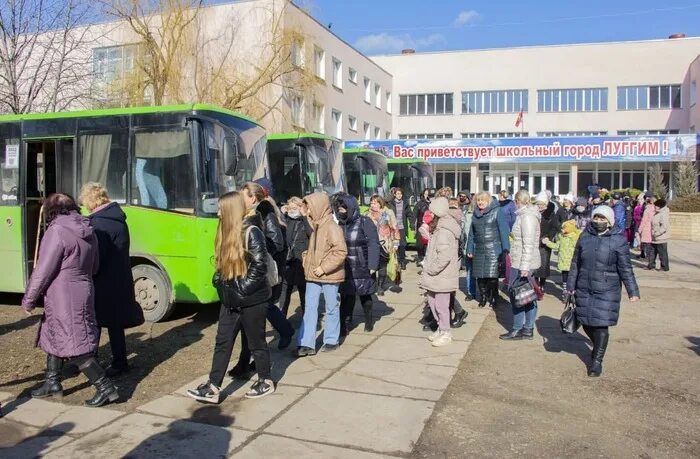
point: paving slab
(34, 412)
(244, 413)
(415, 350)
(380, 327)
(393, 310)
(272, 446)
(378, 423)
(83, 419)
(147, 436)
(6, 396)
(410, 327)
(359, 339)
(21, 442)
(399, 379)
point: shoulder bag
(569, 322)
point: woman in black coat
(241, 282)
(362, 260)
(298, 233)
(550, 225)
(115, 304)
(600, 265)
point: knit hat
(266, 184)
(568, 197)
(660, 203)
(542, 197)
(439, 206)
(581, 202)
(568, 226)
(605, 211)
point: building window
(114, 63)
(492, 135)
(320, 62)
(352, 75)
(337, 73)
(693, 93)
(319, 118)
(297, 106)
(648, 97)
(388, 135)
(388, 102)
(352, 123)
(425, 136)
(298, 53)
(377, 96)
(365, 130)
(572, 100)
(426, 104)
(377, 133)
(510, 101)
(649, 132)
(571, 133)
(368, 90)
(337, 118)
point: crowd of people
(324, 246)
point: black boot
(458, 319)
(52, 384)
(483, 295)
(367, 308)
(493, 293)
(106, 391)
(600, 345)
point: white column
(474, 172)
(573, 177)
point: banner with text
(677, 147)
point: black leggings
(347, 305)
(251, 321)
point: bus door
(11, 236)
(50, 168)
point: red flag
(519, 120)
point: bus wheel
(152, 292)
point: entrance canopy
(678, 147)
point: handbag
(392, 266)
(272, 275)
(569, 322)
(522, 292)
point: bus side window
(103, 159)
(9, 173)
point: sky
(388, 26)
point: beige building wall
(606, 65)
(694, 115)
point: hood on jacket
(505, 202)
(450, 224)
(265, 208)
(350, 203)
(254, 219)
(319, 206)
(457, 214)
(663, 210)
(492, 205)
(76, 224)
(111, 211)
(439, 206)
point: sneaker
(434, 335)
(458, 319)
(207, 393)
(304, 351)
(261, 388)
(329, 347)
(444, 339)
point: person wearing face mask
(361, 263)
(567, 203)
(581, 213)
(600, 265)
(487, 246)
(298, 233)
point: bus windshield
(367, 176)
(323, 168)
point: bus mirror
(230, 155)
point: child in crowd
(565, 245)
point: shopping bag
(392, 268)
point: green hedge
(686, 204)
(631, 192)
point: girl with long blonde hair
(241, 281)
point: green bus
(412, 176)
(165, 165)
(302, 163)
(367, 173)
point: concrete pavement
(371, 398)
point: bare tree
(44, 54)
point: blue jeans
(470, 279)
(522, 317)
(331, 331)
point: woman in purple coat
(68, 258)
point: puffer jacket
(253, 288)
(327, 248)
(601, 263)
(459, 218)
(274, 233)
(488, 239)
(298, 233)
(620, 211)
(661, 226)
(362, 240)
(524, 250)
(441, 264)
(420, 209)
(509, 209)
(645, 225)
(565, 246)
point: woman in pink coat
(644, 230)
(62, 281)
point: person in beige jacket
(440, 277)
(660, 233)
(324, 269)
